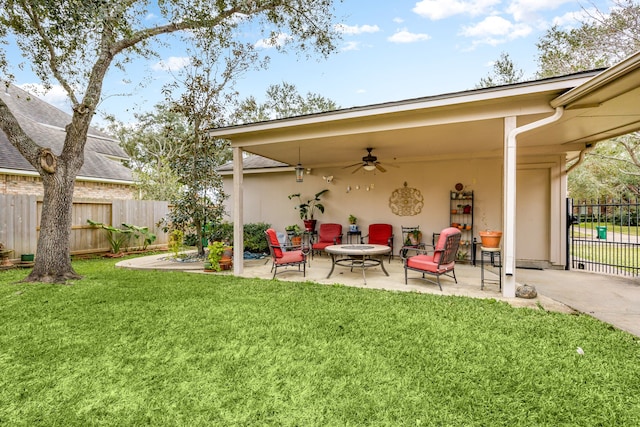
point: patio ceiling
(598, 105)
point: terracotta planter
(490, 239)
(296, 240)
(225, 264)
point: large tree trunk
(53, 263)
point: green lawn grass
(128, 348)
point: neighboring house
(509, 145)
(103, 176)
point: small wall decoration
(406, 201)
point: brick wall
(32, 185)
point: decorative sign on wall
(406, 201)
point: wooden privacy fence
(20, 222)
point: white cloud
(404, 36)
(493, 26)
(280, 40)
(527, 10)
(55, 96)
(575, 19)
(356, 29)
(350, 46)
(398, 20)
(173, 63)
(361, 91)
(440, 9)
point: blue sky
(391, 50)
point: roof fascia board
(494, 93)
(604, 78)
(409, 120)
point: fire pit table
(360, 256)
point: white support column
(509, 214)
(238, 213)
(510, 161)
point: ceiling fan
(369, 163)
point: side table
(494, 257)
(351, 235)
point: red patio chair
(284, 259)
(441, 262)
(380, 234)
(328, 234)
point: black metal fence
(603, 236)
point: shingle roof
(254, 162)
(45, 124)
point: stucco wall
(265, 195)
(265, 199)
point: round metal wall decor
(406, 201)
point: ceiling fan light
(369, 167)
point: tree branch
(54, 64)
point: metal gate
(603, 236)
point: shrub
(254, 238)
(253, 235)
(176, 238)
(220, 232)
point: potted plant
(216, 250)
(489, 238)
(352, 223)
(293, 232)
(414, 237)
(308, 208)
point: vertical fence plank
(20, 222)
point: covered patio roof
(557, 115)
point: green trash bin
(602, 232)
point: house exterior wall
(32, 185)
(265, 198)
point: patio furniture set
(431, 261)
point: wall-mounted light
(329, 178)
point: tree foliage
(150, 143)
(282, 101)
(600, 40)
(504, 72)
(76, 42)
(610, 170)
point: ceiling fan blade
(380, 168)
(350, 166)
(358, 168)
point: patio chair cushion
(290, 257)
(442, 241)
(427, 263)
(379, 234)
(328, 234)
(273, 241)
